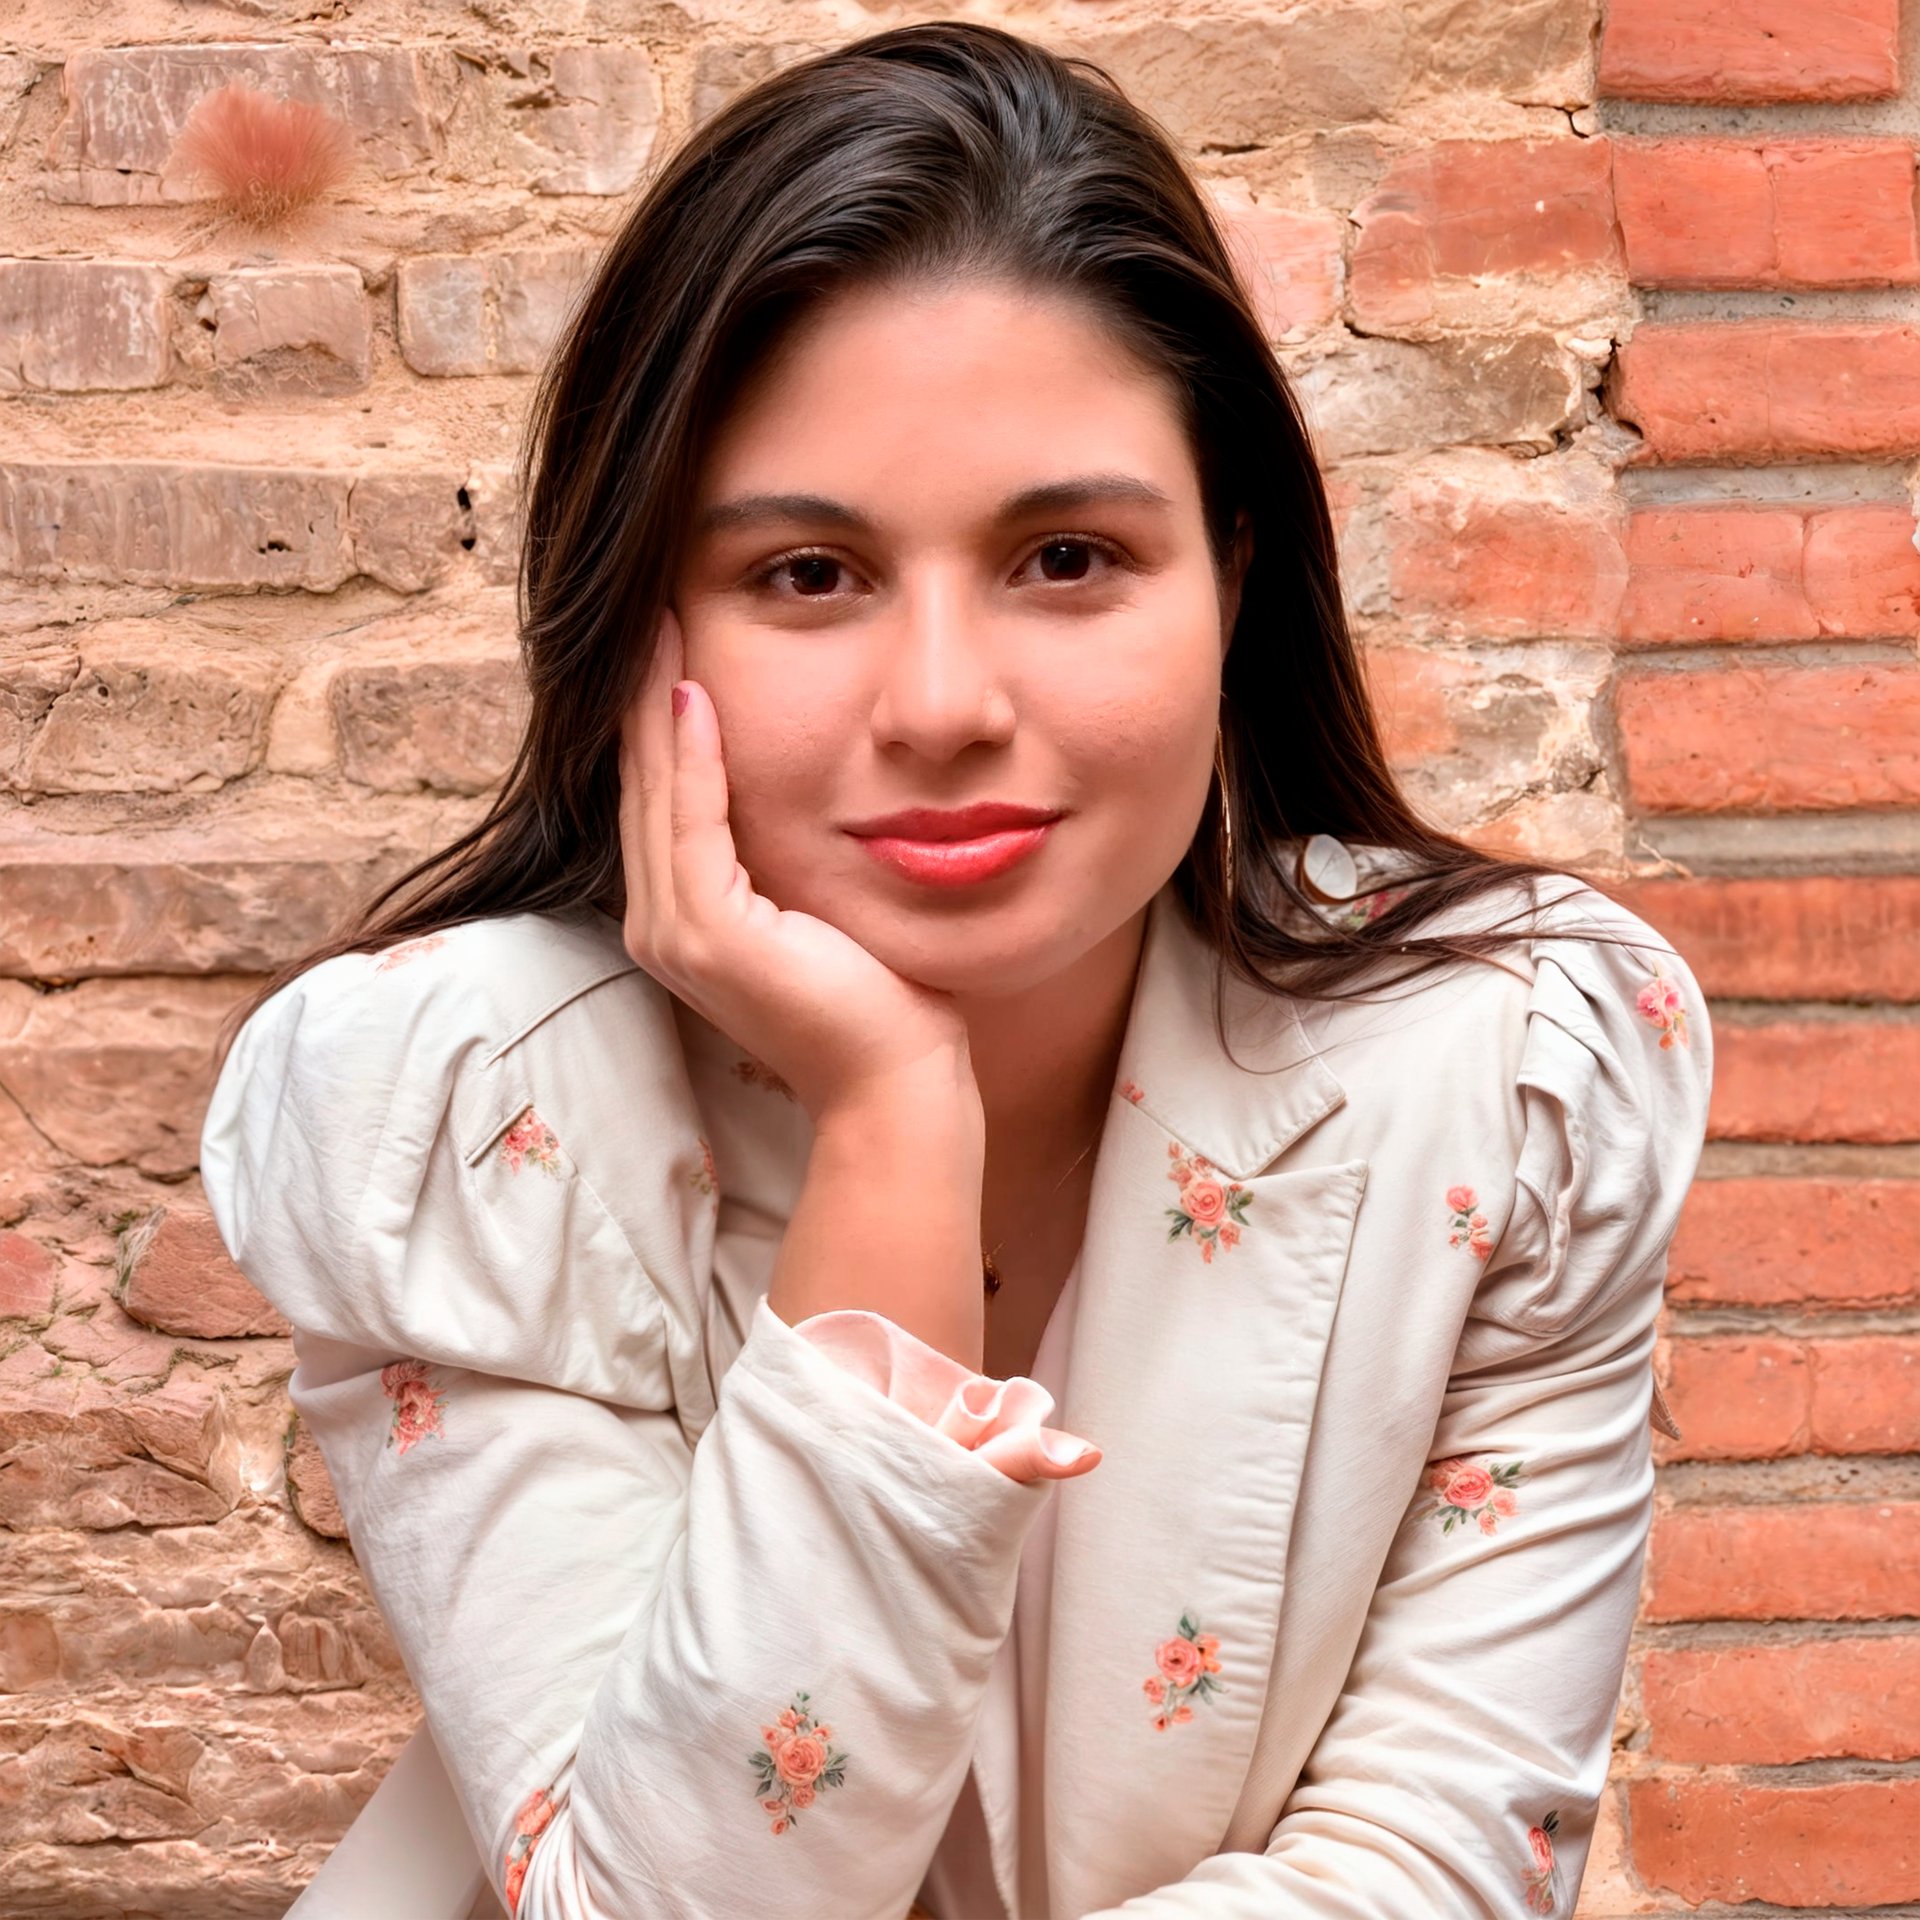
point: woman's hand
(837, 1025)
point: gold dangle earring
(1226, 812)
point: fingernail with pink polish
(679, 701)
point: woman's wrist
(888, 1217)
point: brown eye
(813, 573)
(1064, 559)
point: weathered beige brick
(151, 712)
(186, 1609)
(300, 734)
(17, 76)
(125, 108)
(487, 313)
(1244, 80)
(1474, 731)
(494, 489)
(116, 1070)
(35, 670)
(721, 70)
(238, 895)
(408, 530)
(79, 1454)
(176, 1277)
(291, 329)
(439, 703)
(297, 1767)
(583, 118)
(1393, 396)
(78, 326)
(174, 524)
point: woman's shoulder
(488, 980)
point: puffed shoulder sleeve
(1615, 1071)
(383, 1163)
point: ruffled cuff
(1003, 1421)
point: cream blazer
(1364, 1325)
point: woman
(951, 949)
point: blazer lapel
(1207, 1292)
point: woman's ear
(1235, 578)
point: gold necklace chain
(989, 1273)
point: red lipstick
(959, 846)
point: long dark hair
(948, 149)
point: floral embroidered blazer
(701, 1616)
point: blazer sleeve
(1460, 1771)
(668, 1680)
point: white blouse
(1003, 1798)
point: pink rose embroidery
(528, 1825)
(757, 1074)
(417, 1403)
(1543, 1876)
(1361, 911)
(530, 1142)
(1464, 1490)
(1213, 1211)
(1659, 1000)
(1132, 1090)
(795, 1763)
(1187, 1665)
(703, 1177)
(408, 950)
(1466, 1224)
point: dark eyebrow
(1054, 496)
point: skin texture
(923, 648)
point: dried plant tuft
(264, 159)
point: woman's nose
(940, 678)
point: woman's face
(948, 549)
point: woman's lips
(957, 863)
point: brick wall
(1611, 338)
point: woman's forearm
(888, 1217)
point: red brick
(1792, 1560)
(1863, 571)
(1792, 1242)
(27, 1276)
(1852, 1080)
(1767, 1397)
(1723, 51)
(1749, 392)
(1737, 1399)
(1468, 211)
(1770, 573)
(230, 896)
(1773, 1705)
(1847, 1843)
(310, 1489)
(1771, 739)
(1291, 264)
(1819, 937)
(175, 1275)
(1735, 213)
(1866, 1394)
(117, 1070)
(1502, 569)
